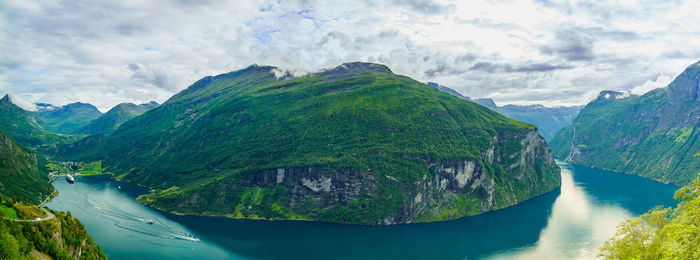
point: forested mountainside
(654, 135)
(548, 120)
(67, 119)
(19, 175)
(23, 127)
(116, 116)
(354, 144)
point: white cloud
(659, 82)
(107, 52)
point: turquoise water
(570, 222)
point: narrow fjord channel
(570, 222)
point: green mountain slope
(23, 127)
(654, 135)
(116, 116)
(354, 144)
(548, 120)
(60, 237)
(69, 118)
(19, 175)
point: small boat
(69, 178)
(147, 221)
(190, 238)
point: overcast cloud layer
(522, 52)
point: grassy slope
(243, 122)
(67, 119)
(23, 127)
(648, 135)
(111, 120)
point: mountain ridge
(353, 144)
(654, 135)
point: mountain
(19, 175)
(448, 90)
(548, 120)
(654, 135)
(116, 116)
(487, 102)
(66, 119)
(23, 127)
(353, 144)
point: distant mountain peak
(487, 102)
(448, 90)
(687, 85)
(151, 104)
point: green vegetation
(115, 117)
(67, 119)
(91, 168)
(19, 175)
(654, 135)
(224, 139)
(28, 211)
(8, 212)
(662, 233)
(62, 237)
(22, 126)
(548, 120)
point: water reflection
(570, 222)
(585, 215)
(465, 238)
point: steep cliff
(19, 175)
(354, 144)
(654, 135)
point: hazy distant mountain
(116, 116)
(66, 119)
(354, 144)
(653, 135)
(548, 120)
(487, 102)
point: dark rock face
(454, 189)
(353, 144)
(687, 85)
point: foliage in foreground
(662, 233)
(62, 237)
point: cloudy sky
(521, 52)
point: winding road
(49, 215)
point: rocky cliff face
(19, 175)
(654, 135)
(450, 190)
(353, 144)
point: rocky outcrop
(451, 189)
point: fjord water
(570, 222)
